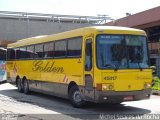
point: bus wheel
(19, 85)
(26, 86)
(75, 97)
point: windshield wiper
(111, 66)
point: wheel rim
(77, 96)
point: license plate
(126, 98)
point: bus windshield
(121, 52)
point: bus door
(88, 69)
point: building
(149, 21)
(19, 25)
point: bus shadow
(63, 106)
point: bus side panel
(60, 73)
(50, 76)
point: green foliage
(156, 83)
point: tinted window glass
(39, 51)
(17, 53)
(48, 50)
(88, 55)
(60, 49)
(74, 47)
(22, 52)
(2, 54)
(10, 54)
(30, 52)
(122, 52)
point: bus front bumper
(118, 97)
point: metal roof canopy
(100, 19)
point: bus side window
(22, 52)
(39, 51)
(88, 55)
(30, 52)
(10, 54)
(74, 47)
(49, 50)
(60, 49)
(17, 53)
(2, 54)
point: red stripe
(15, 69)
(65, 79)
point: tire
(25, 86)
(75, 97)
(19, 85)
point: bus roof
(76, 33)
(1, 48)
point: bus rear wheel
(19, 85)
(75, 97)
(25, 86)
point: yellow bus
(102, 64)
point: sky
(113, 8)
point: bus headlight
(110, 87)
(107, 86)
(147, 85)
(104, 87)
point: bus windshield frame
(125, 51)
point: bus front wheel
(19, 85)
(26, 86)
(75, 97)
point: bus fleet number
(110, 77)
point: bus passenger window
(88, 56)
(39, 51)
(30, 52)
(3, 55)
(17, 52)
(10, 54)
(48, 50)
(60, 49)
(22, 52)
(74, 47)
